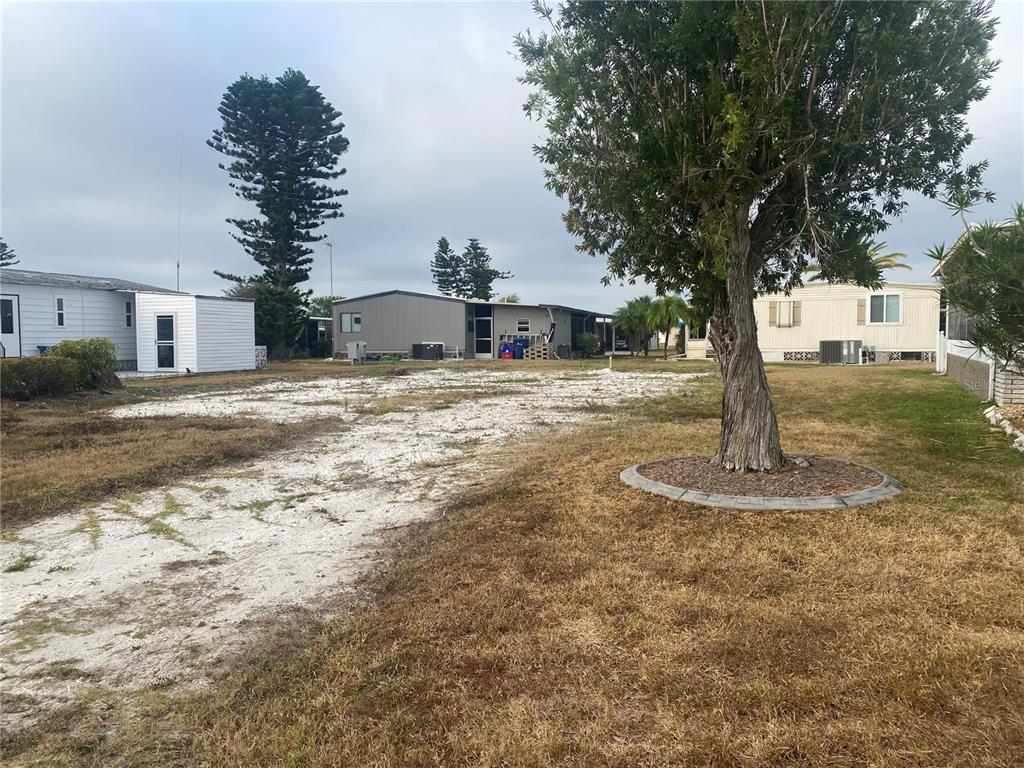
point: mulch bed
(821, 477)
(1015, 413)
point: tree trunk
(750, 433)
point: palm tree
(664, 314)
(882, 261)
(632, 320)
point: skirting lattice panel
(802, 357)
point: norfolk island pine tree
(285, 140)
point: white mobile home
(154, 329)
(896, 322)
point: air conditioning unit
(428, 350)
(840, 352)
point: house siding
(185, 330)
(394, 322)
(226, 335)
(88, 313)
(830, 312)
(833, 312)
(506, 317)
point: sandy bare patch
(151, 589)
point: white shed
(182, 333)
(155, 329)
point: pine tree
(7, 255)
(285, 139)
(447, 268)
(479, 273)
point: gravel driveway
(152, 588)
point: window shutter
(796, 313)
(861, 311)
(773, 313)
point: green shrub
(96, 358)
(587, 344)
(26, 377)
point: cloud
(97, 100)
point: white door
(165, 342)
(10, 326)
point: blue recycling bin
(520, 345)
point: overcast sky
(97, 100)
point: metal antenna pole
(330, 250)
(181, 165)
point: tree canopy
(320, 306)
(633, 320)
(480, 275)
(716, 148)
(284, 140)
(983, 276)
(7, 256)
(448, 270)
(468, 275)
(665, 313)
(880, 260)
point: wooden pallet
(537, 352)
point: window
(127, 314)
(884, 308)
(351, 322)
(59, 314)
(698, 332)
(523, 325)
(6, 315)
(785, 314)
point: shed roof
(58, 280)
(438, 297)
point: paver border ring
(886, 489)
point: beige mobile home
(897, 322)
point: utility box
(356, 352)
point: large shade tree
(715, 149)
(284, 140)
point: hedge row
(66, 367)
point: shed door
(165, 341)
(10, 326)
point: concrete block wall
(973, 374)
(1009, 387)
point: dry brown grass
(55, 456)
(561, 618)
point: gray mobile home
(393, 321)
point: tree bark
(750, 433)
